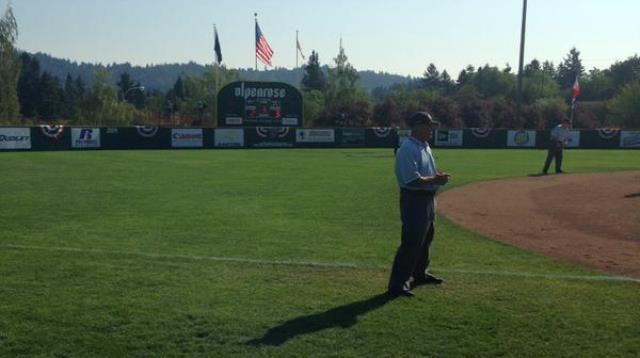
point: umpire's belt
(417, 192)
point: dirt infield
(588, 219)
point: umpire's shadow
(343, 316)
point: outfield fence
(51, 138)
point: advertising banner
(574, 139)
(270, 137)
(521, 138)
(85, 137)
(629, 139)
(315, 136)
(15, 138)
(229, 138)
(187, 138)
(351, 137)
(264, 104)
(449, 138)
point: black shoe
(400, 293)
(559, 172)
(428, 280)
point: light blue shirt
(414, 160)
(560, 134)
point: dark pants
(555, 151)
(412, 258)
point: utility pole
(520, 67)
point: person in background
(559, 138)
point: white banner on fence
(573, 141)
(229, 138)
(15, 138)
(186, 138)
(85, 137)
(315, 136)
(449, 138)
(629, 139)
(521, 138)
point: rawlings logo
(481, 132)
(55, 132)
(147, 131)
(272, 133)
(607, 133)
(382, 132)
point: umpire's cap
(422, 118)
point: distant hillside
(162, 77)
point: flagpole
(255, 14)
(296, 48)
(215, 82)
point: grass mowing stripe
(317, 264)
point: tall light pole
(520, 67)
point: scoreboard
(259, 104)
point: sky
(400, 37)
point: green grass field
(281, 253)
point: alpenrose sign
(259, 104)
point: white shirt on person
(414, 160)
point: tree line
(483, 96)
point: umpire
(418, 180)
(559, 138)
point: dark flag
(216, 47)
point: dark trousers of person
(555, 151)
(413, 256)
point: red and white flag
(263, 50)
(576, 88)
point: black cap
(422, 118)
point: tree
(102, 105)
(491, 82)
(51, 99)
(625, 107)
(9, 67)
(625, 72)
(431, 79)
(348, 104)
(28, 85)
(314, 78)
(570, 69)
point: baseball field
(282, 253)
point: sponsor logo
(353, 136)
(15, 138)
(229, 138)
(449, 138)
(607, 133)
(521, 138)
(289, 121)
(85, 137)
(630, 139)
(481, 132)
(233, 121)
(382, 132)
(315, 135)
(272, 133)
(253, 92)
(147, 131)
(186, 138)
(55, 131)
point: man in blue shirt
(418, 180)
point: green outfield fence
(49, 138)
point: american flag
(263, 50)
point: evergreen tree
(570, 69)
(9, 67)
(431, 79)
(28, 85)
(51, 99)
(314, 78)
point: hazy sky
(401, 36)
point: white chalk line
(315, 264)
